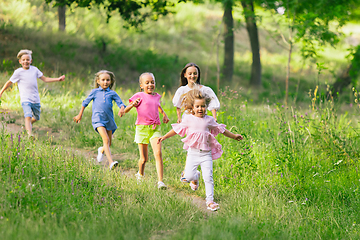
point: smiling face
(147, 83)
(199, 108)
(191, 74)
(104, 80)
(25, 61)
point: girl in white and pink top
(189, 80)
(147, 103)
(200, 130)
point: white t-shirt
(27, 83)
(214, 103)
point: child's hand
(238, 137)
(62, 78)
(136, 102)
(121, 112)
(77, 118)
(166, 119)
(160, 139)
(179, 120)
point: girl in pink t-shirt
(200, 142)
(147, 103)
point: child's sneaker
(162, 186)
(100, 154)
(113, 165)
(139, 177)
(213, 206)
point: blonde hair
(24, 52)
(143, 74)
(111, 74)
(188, 99)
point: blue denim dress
(102, 112)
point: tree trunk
(342, 82)
(228, 68)
(251, 27)
(61, 14)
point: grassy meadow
(294, 176)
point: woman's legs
(106, 136)
(158, 158)
(143, 150)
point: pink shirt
(148, 108)
(200, 133)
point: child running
(26, 79)
(102, 112)
(190, 79)
(147, 103)
(200, 142)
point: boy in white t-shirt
(26, 78)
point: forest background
(295, 174)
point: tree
(133, 12)
(311, 24)
(62, 17)
(251, 27)
(228, 21)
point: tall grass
(295, 175)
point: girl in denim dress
(102, 114)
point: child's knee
(106, 141)
(158, 154)
(190, 176)
(208, 178)
(142, 160)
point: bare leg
(28, 124)
(143, 149)
(158, 158)
(106, 137)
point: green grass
(291, 177)
(294, 176)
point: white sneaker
(100, 154)
(113, 165)
(162, 186)
(139, 177)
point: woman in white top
(190, 79)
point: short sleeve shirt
(26, 80)
(214, 103)
(148, 108)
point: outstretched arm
(168, 135)
(79, 116)
(47, 79)
(229, 134)
(6, 85)
(165, 117)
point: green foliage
(314, 27)
(134, 13)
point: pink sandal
(194, 185)
(213, 206)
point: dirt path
(12, 123)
